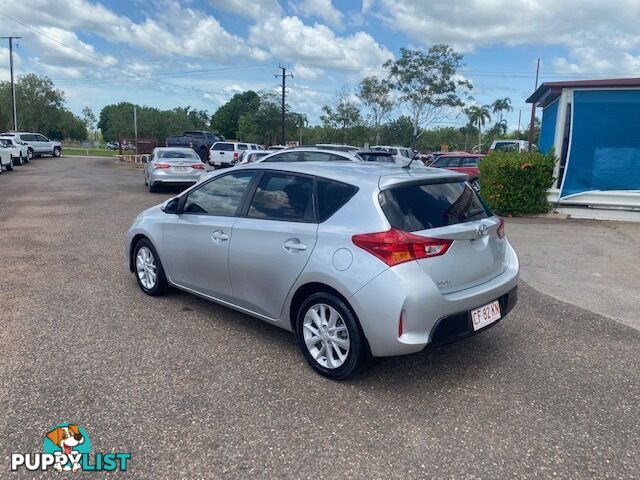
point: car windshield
(175, 154)
(507, 146)
(421, 207)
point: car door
(196, 241)
(272, 242)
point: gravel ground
(195, 390)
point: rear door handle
(294, 245)
(219, 236)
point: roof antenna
(408, 165)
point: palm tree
(502, 105)
(501, 127)
(478, 116)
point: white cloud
(317, 46)
(307, 73)
(64, 48)
(323, 9)
(599, 35)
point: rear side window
(332, 196)
(421, 207)
(227, 147)
(242, 146)
(283, 197)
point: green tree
(41, 108)
(478, 116)
(398, 131)
(262, 125)
(501, 105)
(428, 83)
(225, 120)
(89, 119)
(343, 117)
(375, 95)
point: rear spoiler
(390, 181)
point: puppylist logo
(67, 447)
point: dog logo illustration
(70, 442)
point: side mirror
(171, 206)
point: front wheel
(23, 159)
(11, 163)
(329, 336)
(148, 268)
(57, 152)
(29, 154)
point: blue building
(593, 126)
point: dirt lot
(194, 390)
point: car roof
(375, 152)
(371, 174)
(180, 149)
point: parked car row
(18, 148)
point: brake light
(501, 233)
(394, 246)
(198, 166)
(235, 156)
(161, 165)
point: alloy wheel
(326, 335)
(146, 268)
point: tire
(146, 262)
(152, 188)
(57, 151)
(10, 164)
(24, 160)
(345, 341)
(30, 153)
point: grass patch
(89, 152)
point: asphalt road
(194, 390)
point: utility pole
(135, 125)
(533, 110)
(519, 118)
(13, 86)
(284, 76)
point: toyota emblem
(482, 230)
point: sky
(198, 53)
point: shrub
(513, 183)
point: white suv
(17, 149)
(226, 154)
(37, 144)
(401, 155)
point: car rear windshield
(176, 154)
(227, 147)
(421, 207)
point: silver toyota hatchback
(359, 260)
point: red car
(461, 162)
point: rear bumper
(428, 315)
(161, 177)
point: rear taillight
(198, 166)
(161, 165)
(394, 247)
(501, 233)
(235, 156)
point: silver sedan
(171, 165)
(359, 259)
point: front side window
(454, 162)
(41, 138)
(470, 162)
(284, 197)
(441, 162)
(219, 197)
